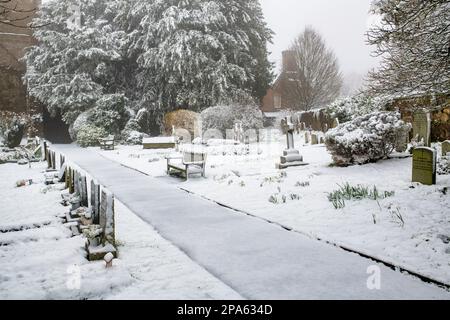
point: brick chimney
(289, 63)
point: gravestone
(306, 137)
(424, 166)
(322, 140)
(70, 181)
(62, 173)
(238, 132)
(44, 150)
(95, 201)
(291, 157)
(445, 148)
(325, 128)
(335, 123)
(53, 160)
(422, 128)
(107, 217)
(314, 139)
(83, 190)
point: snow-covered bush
(13, 132)
(347, 109)
(223, 117)
(89, 134)
(443, 166)
(110, 113)
(132, 134)
(367, 138)
(81, 121)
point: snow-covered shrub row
(224, 117)
(443, 166)
(367, 138)
(347, 109)
(89, 134)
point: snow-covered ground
(410, 229)
(40, 260)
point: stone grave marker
(424, 166)
(306, 137)
(291, 157)
(445, 148)
(95, 201)
(314, 139)
(53, 160)
(62, 173)
(107, 217)
(422, 128)
(83, 190)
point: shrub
(182, 119)
(110, 113)
(89, 134)
(13, 132)
(223, 117)
(347, 109)
(366, 139)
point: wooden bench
(107, 143)
(186, 164)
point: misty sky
(341, 22)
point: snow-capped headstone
(445, 148)
(95, 201)
(424, 165)
(422, 128)
(62, 173)
(53, 160)
(314, 139)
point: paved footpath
(257, 259)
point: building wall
(13, 41)
(276, 99)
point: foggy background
(342, 23)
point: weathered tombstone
(335, 122)
(53, 160)
(44, 150)
(291, 157)
(325, 128)
(83, 190)
(422, 128)
(62, 173)
(445, 148)
(95, 201)
(238, 132)
(424, 166)
(306, 137)
(107, 217)
(314, 139)
(48, 157)
(70, 181)
(62, 160)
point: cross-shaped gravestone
(288, 129)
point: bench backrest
(194, 157)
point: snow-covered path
(257, 259)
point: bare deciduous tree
(314, 79)
(413, 40)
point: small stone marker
(53, 160)
(445, 148)
(306, 137)
(62, 173)
(422, 128)
(107, 217)
(424, 166)
(83, 191)
(314, 139)
(108, 260)
(95, 201)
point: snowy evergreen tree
(72, 67)
(202, 51)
